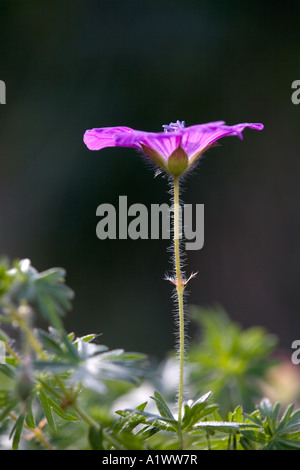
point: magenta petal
(196, 139)
(161, 142)
(238, 128)
(193, 140)
(164, 144)
(97, 139)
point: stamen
(174, 126)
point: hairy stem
(31, 338)
(21, 316)
(85, 416)
(179, 289)
(36, 432)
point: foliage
(60, 391)
(229, 360)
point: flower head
(175, 149)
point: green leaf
(131, 420)
(289, 420)
(8, 370)
(9, 403)
(256, 436)
(162, 406)
(246, 444)
(288, 444)
(95, 436)
(50, 344)
(228, 360)
(237, 415)
(6, 279)
(223, 426)
(125, 440)
(196, 411)
(45, 292)
(87, 338)
(17, 431)
(202, 399)
(51, 404)
(155, 420)
(71, 349)
(30, 421)
(47, 410)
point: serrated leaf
(131, 420)
(156, 420)
(223, 426)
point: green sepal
(178, 162)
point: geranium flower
(175, 149)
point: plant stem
(85, 416)
(22, 321)
(179, 289)
(36, 432)
(12, 353)
(31, 338)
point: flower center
(174, 126)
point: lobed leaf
(162, 406)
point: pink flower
(175, 149)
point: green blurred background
(73, 65)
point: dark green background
(73, 65)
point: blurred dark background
(73, 65)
